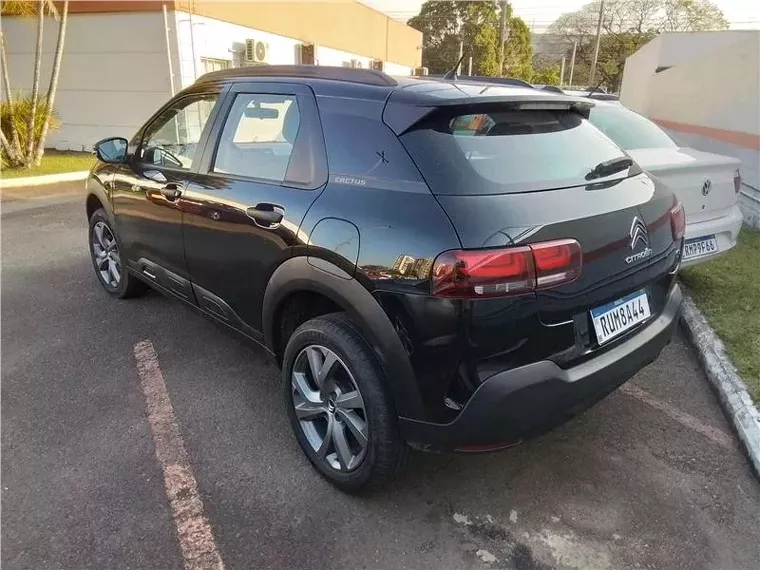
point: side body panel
(230, 255)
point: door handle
(171, 191)
(266, 215)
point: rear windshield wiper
(609, 167)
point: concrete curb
(46, 179)
(722, 375)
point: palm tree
(32, 154)
(53, 87)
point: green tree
(36, 129)
(626, 26)
(518, 51)
(546, 75)
(447, 25)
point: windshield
(629, 130)
(501, 150)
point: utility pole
(562, 72)
(469, 67)
(572, 64)
(598, 40)
(502, 35)
(461, 51)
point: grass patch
(55, 162)
(727, 291)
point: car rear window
(629, 130)
(500, 150)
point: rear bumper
(516, 404)
(725, 229)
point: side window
(172, 139)
(259, 137)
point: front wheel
(338, 404)
(106, 255)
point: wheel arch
(97, 197)
(298, 275)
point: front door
(147, 189)
(262, 168)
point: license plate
(697, 247)
(619, 316)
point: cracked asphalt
(627, 485)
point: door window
(172, 139)
(259, 137)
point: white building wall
(334, 57)
(709, 97)
(115, 69)
(397, 69)
(637, 73)
(223, 40)
(718, 90)
(683, 46)
(114, 72)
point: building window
(211, 64)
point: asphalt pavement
(651, 477)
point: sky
(538, 14)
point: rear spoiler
(400, 116)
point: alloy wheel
(329, 408)
(106, 252)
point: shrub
(22, 107)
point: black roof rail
(349, 74)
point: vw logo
(706, 187)
(638, 233)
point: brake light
(677, 220)
(737, 180)
(485, 273)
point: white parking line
(196, 539)
(713, 434)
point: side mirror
(113, 150)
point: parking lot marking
(715, 435)
(196, 539)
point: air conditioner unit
(308, 54)
(255, 51)
(420, 71)
(378, 65)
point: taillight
(737, 180)
(487, 273)
(483, 273)
(677, 220)
(556, 262)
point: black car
(438, 265)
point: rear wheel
(106, 255)
(338, 405)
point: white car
(706, 183)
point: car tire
(105, 252)
(335, 338)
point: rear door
(262, 168)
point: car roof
(429, 91)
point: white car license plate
(619, 316)
(697, 247)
